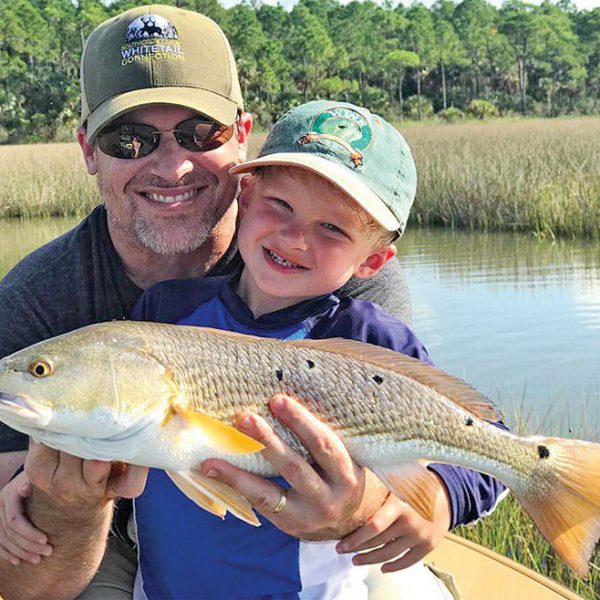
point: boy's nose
(295, 236)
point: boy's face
(299, 239)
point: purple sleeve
(472, 495)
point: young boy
(325, 200)
(328, 195)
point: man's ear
(244, 127)
(375, 262)
(88, 151)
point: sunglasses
(136, 140)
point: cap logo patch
(150, 37)
(343, 128)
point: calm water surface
(518, 318)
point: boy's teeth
(171, 199)
(282, 261)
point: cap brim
(336, 174)
(208, 103)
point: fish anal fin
(456, 390)
(221, 436)
(223, 495)
(413, 483)
(196, 494)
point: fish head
(96, 381)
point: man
(168, 211)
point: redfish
(166, 396)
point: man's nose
(171, 161)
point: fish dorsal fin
(222, 437)
(456, 390)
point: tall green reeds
(537, 176)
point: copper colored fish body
(166, 396)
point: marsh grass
(537, 176)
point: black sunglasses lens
(198, 135)
(128, 141)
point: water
(516, 317)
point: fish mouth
(20, 409)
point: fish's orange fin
(564, 501)
(413, 483)
(195, 494)
(223, 437)
(456, 390)
(225, 496)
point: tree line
(404, 62)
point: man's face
(170, 201)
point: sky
(580, 4)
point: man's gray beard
(164, 244)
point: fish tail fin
(565, 505)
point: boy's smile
(300, 238)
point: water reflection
(517, 317)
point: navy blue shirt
(186, 552)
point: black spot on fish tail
(377, 379)
(543, 452)
(279, 374)
(310, 364)
(468, 421)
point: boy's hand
(396, 529)
(327, 499)
(19, 539)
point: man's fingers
(129, 482)
(41, 463)
(288, 463)
(261, 493)
(325, 446)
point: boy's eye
(334, 228)
(281, 203)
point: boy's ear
(375, 261)
(246, 186)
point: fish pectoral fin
(223, 497)
(194, 493)
(413, 483)
(221, 436)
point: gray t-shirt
(79, 279)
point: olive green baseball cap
(158, 54)
(356, 150)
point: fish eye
(40, 368)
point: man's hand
(396, 529)
(78, 485)
(326, 500)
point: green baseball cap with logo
(356, 150)
(158, 54)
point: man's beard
(165, 237)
